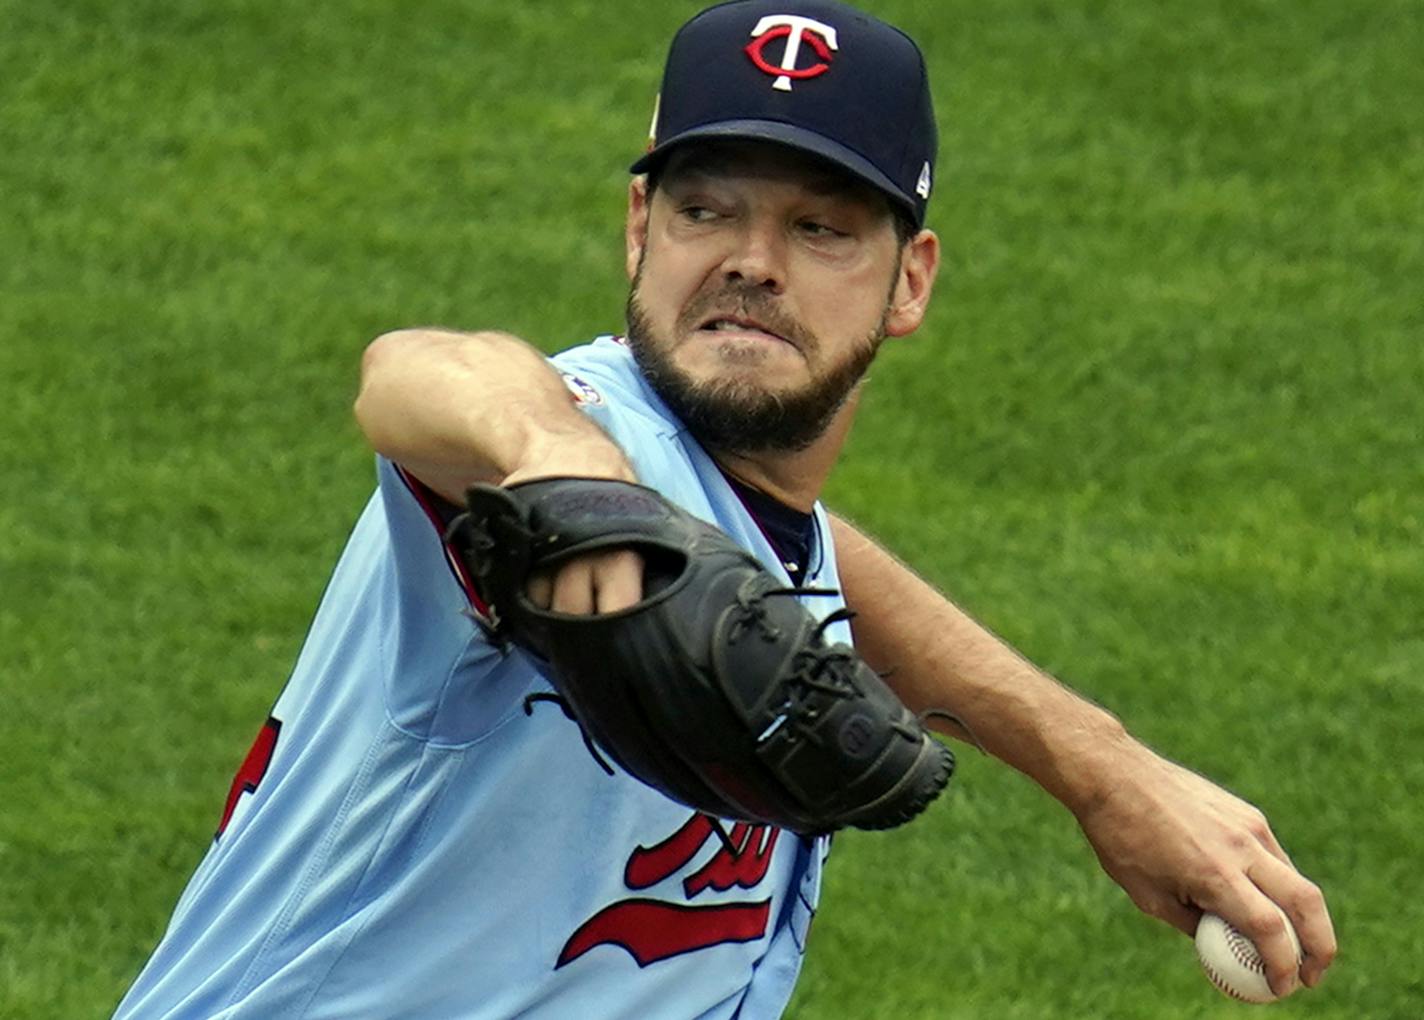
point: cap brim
(794, 137)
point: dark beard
(736, 416)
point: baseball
(1231, 961)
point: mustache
(749, 301)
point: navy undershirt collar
(791, 532)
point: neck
(797, 478)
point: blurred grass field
(1162, 431)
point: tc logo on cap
(793, 28)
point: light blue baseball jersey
(405, 840)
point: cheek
(666, 279)
(847, 302)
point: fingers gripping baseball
(602, 582)
(1280, 885)
(1181, 846)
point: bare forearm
(941, 658)
(456, 408)
(1176, 843)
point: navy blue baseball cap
(814, 75)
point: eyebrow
(828, 184)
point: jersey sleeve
(443, 680)
(605, 384)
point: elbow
(387, 347)
(379, 374)
(373, 361)
(398, 346)
(399, 369)
(383, 356)
(399, 366)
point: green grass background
(1162, 430)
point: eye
(697, 213)
(820, 230)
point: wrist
(581, 450)
(1091, 763)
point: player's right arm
(1178, 844)
(455, 408)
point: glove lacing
(562, 702)
(558, 699)
(814, 670)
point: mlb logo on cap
(818, 76)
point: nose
(757, 256)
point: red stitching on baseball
(1222, 984)
(1244, 951)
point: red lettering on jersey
(652, 930)
(746, 868)
(253, 768)
(650, 865)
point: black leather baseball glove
(718, 688)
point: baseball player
(412, 836)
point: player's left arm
(1177, 843)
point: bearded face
(764, 281)
(738, 411)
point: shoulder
(604, 379)
(605, 383)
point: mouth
(740, 326)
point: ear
(635, 231)
(919, 263)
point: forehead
(767, 161)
